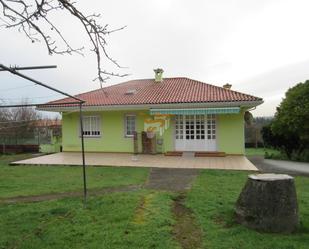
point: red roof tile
(48, 122)
(170, 90)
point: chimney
(227, 86)
(158, 74)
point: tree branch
(33, 19)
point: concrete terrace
(155, 161)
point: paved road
(280, 166)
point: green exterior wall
(49, 148)
(112, 137)
(53, 147)
(230, 133)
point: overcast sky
(258, 46)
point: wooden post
(256, 137)
(135, 143)
(38, 136)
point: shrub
(289, 130)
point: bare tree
(33, 18)
(18, 123)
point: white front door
(195, 133)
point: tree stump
(268, 203)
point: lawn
(212, 200)
(260, 151)
(136, 219)
(112, 221)
(34, 180)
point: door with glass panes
(195, 133)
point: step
(210, 154)
(173, 153)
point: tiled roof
(48, 122)
(170, 90)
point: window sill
(85, 136)
(128, 136)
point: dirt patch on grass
(140, 213)
(55, 196)
(186, 231)
(171, 179)
(223, 221)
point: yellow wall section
(230, 133)
(112, 137)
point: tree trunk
(268, 203)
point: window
(179, 126)
(190, 127)
(129, 125)
(91, 126)
(195, 127)
(211, 126)
(200, 127)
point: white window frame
(92, 129)
(196, 127)
(126, 124)
(211, 127)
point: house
(33, 135)
(180, 113)
(48, 133)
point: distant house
(42, 135)
(48, 135)
(180, 113)
(48, 127)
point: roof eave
(248, 104)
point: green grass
(212, 200)
(131, 220)
(107, 222)
(260, 151)
(34, 180)
(137, 219)
(7, 158)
